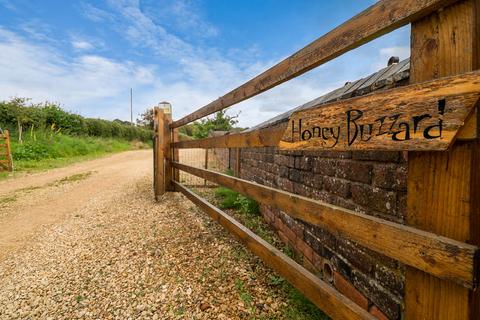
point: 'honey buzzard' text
(394, 126)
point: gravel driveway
(116, 254)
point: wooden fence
(434, 119)
(6, 163)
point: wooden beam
(176, 155)
(167, 151)
(257, 138)
(238, 160)
(9, 151)
(159, 173)
(440, 256)
(381, 18)
(424, 117)
(320, 293)
(443, 188)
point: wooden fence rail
(322, 294)
(440, 256)
(439, 244)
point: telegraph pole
(131, 106)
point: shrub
(15, 114)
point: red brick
(298, 229)
(289, 233)
(337, 186)
(304, 249)
(374, 311)
(374, 198)
(282, 237)
(317, 261)
(324, 167)
(390, 176)
(278, 223)
(348, 290)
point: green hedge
(49, 115)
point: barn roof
(391, 76)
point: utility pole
(131, 106)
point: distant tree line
(18, 115)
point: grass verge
(43, 150)
(247, 212)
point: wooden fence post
(176, 156)
(9, 151)
(443, 187)
(206, 166)
(159, 176)
(168, 151)
(238, 162)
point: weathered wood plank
(257, 138)
(176, 155)
(167, 151)
(159, 175)
(379, 19)
(440, 256)
(424, 117)
(442, 194)
(323, 295)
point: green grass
(227, 198)
(247, 212)
(42, 150)
(230, 199)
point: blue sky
(88, 54)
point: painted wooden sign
(425, 116)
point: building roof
(391, 76)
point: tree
(146, 119)
(220, 122)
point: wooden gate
(5, 152)
(434, 119)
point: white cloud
(188, 75)
(402, 52)
(95, 14)
(82, 45)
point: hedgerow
(17, 115)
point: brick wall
(221, 156)
(369, 182)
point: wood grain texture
(443, 257)
(320, 293)
(159, 176)
(168, 152)
(441, 189)
(379, 19)
(5, 152)
(258, 138)
(176, 155)
(238, 161)
(424, 117)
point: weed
(276, 280)
(8, 199)
(228, 198)
(76, 177)
(244, 295)
(247, 205)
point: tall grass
(43, 149)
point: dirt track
(89, 242)
(32, 203)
